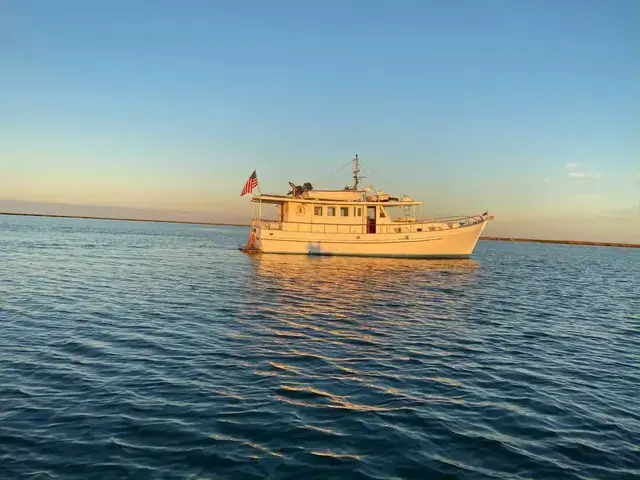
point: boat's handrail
(436, 224)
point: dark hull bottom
(250, 251)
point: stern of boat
(253, 241)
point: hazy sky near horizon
(526, 108)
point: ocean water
(147, 350)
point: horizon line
(223, 224)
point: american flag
(250, 184)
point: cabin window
(344, 211)
(317, 211)
(382, 214)
(357, 212)
(331, 211)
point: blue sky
(526, 108)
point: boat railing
(434, 224)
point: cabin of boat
(360, 222)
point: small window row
(344, 211)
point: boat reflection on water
(357, 271)
(349, 287)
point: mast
(356, 170)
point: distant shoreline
(122, 219)
(565, 242)
(501, 239)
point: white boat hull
(451, 243)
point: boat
(356, 221)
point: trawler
(356, 221)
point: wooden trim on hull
(417, 256)
(354, 242)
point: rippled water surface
(144, 350)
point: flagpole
(260, 193)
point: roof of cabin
(277, 199)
